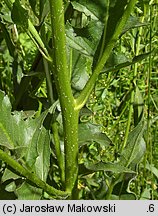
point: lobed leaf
(28, 139)
(84, 40)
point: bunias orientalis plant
(67, 38)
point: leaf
(42, 163)
(10, 187)
(28, 192)
(123, 197)
(141, 57)
(125, 99)
(5, 14)
(152, 169)
(81, 8)
(44, 9)
(33, 5)
(116, 10)
(19, 14)
(135, 147)
(80, 75)
(119, 60)
(146, 194)
(112, 167)
(38, 145)
(15, 133)
(115, 13)
(133, 22)
(116, 59)
(8, 174)
(84, 40)
(29, 141)
(91, 132)
(12, 129)
(8, 40)
(141, 149)
(96, 10)
(84, 114)
(127, 197)
(77, 42)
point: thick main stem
(67, 102)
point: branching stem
(81, 100)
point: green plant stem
(110, 190)
(149, 155)
(33, 34)
(67, 102)
(105, 29)
(81, 100)
(129, 120)
(30, 176)
(49, 82)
